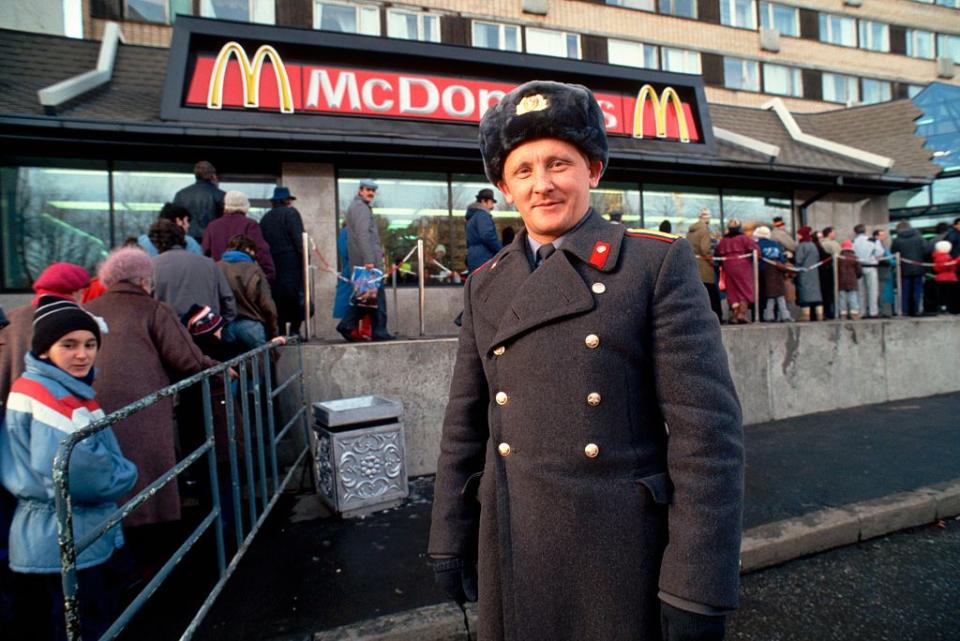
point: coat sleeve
(266, 305)
(359, 224)
(228, 304)
(264, 258)
(488, 233)
(179, 354)
(699, 403)
(456, 519)
(293, 227)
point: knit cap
(201, 320)
(55, 318)
(61, 280)
(943, 246)
(125, 264)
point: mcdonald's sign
(659, 106)
(250, 73)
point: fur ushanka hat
(542, 109)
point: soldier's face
(549, 181)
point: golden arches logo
(250, 74)
(660, 104)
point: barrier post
(393, 284)
(756, 286)
(898, 298)
(421, 299)
(307, 293)
(835, 267)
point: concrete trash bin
(360, 454)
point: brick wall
(135, 33)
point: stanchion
(396, 312)
(420, 281)
(307, 289)
(756, 286)
(898, 286)
(835, 260)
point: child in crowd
(848, 281)
(51, 400)
(945, 270)
(771, 276)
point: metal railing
(253, 369)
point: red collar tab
(599, 256)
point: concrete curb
(762, 546)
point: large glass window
(876, 91)
(148, 11)
(493, 35)
(783, 81)
(946, 191)
(838, 30)
(226, 9)
(949, 46)
(741, 74)
(919, 197)
(680, 60)
(413, 25)
(920, 44)
(645, 5)
(614, 198)
(738, 13)
(631, 54)
(682, 8)
(553, 43)
(50, 215)
(138, 196)
(348, 18)
(874, 36)
(463, 193)
(784, 19)
(840, 88)
(678, 205)
(756, 207)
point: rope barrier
(326, 267)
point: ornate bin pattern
(360, 454)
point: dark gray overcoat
(556, 469)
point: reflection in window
(939, 127)
(332, 16)
(631, 54)
(919, 197)
(946, 190)
(257, 190)
(783, 81)
(949, 47)
(876, 91)
(413, 25)
(920, 44)
(147, 11)
(738, 13)
(226, 9)
(681, 60)
(756, 207)
(492, 35)
(553, 43)
(741, 74)
(682, 8)
(838, 30)
(463, 193)
(679, 205)
(51, 215)
(784, 19)
(138, 197)
(624, 199)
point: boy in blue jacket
(53, 399)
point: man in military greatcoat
(590, 480)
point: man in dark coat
(482, 241)
(282, 228)
(364, 250)
(909, 244)
(203, 199)
(591, 411)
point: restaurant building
(96, 135)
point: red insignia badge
(599, 256)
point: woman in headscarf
(738, 270)
(809, 296)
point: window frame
(850, 81)
(166, 12)
(796, 80)
(948, 36)
(731, 10)
(420, 15)
(358, 7)
(773, 6)
(501, 35)
(745, 63)
(826, 34)
(251, 10)
(911, 40)
(865, 33)
(616, 3)
(672, 3)
(879, 82)
(566, 36)
(644, 50)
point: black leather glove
(456, 578)
(682, 625)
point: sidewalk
(307, 573)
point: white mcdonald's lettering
(489, 98)
(609, 118)
(659, 105)
(333, 96)
(406, 96)
(250, 75)
(469, 102)
(368, 99)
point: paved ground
(904, 587)
(308, 572)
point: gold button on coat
(502, 398)
(593, 399)
(598, 288)
(504, 449)
(499, 351)
(592, 341)
(592, 450)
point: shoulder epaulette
(652, 234)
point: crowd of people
(200, 286)
(800, 271)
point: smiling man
(581, 343)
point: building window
(955, 4)
(838, 30)
(413, 25)
(491, 35)
(553, 43)
(874, 36)
(631, 54)
(840, 88)
(682, 8)
(876, 91)
(680, 205)
(784, 19)
(741, 74)
(643, 5)
(226, 9)
(680, 60)
(949, 46)
(147, 11)
(738, 13)
(920, 44)
(913, 90)
(347, 18)
(783, 81)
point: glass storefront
(680, 206)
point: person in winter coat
(179, 216)
(203, 199)
(870, 254)
(771, 276)
(148, 331)
(945, 270)
(808, 282)
(341, 301)
(580, 342)
(256, 320)
(53, 399)
(282, 229)
(848, 286)
(701, 241)
(482, 241)
(909, 244)
(234, 222)
(780, 234)
(737, 270)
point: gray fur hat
(542, 109)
